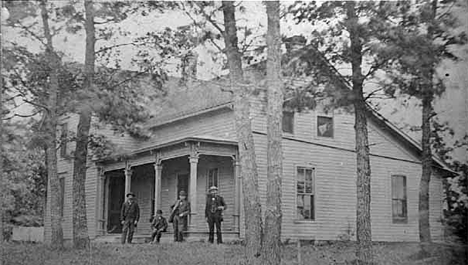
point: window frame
(325, 115)
(208, 176)
(404, 201)
(313, 194)
(291, 122)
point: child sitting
(158, 225)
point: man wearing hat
(158, 225)
(179, 216)
(214, 213)
(129, 216)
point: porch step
(228, 237)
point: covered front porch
(156, 176)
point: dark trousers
(156, 234)
(127, 231)
(212, 222)
(179, 228)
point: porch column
(157, 185)
(193, 159)
(237, 192)
(128, 179)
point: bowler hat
(213, 188)
(130, 194)
(182, 193)
(159, 212)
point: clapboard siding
(219, 124)
(380, 142)
(436, 201)
(334, 161)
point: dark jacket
(130, 211)
(183, 207)
(159, 223)
(212, 204)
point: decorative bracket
(157, 159)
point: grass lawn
(203, 253)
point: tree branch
(36, 104)
(22, 116)
(27, 29)
(116, 46)
(372, 93)
(200, 27)
(105, 22)
(208, 18)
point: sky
(451, 107)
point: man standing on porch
(214, 213)
(129, 216)
(179, 215)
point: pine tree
(273, 215)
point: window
(399, 201)
(63, 140)
(305, 193)
(212, 178)
(325, 126)
(62, 195)
(288, 121)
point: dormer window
(325, 126)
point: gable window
(63, 139)
(62, 195)
(325, 126)
(305, 179)
(399, 201)
(288, 121)
(212, 178)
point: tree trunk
(80, 227)
(252, 207)
(273, 215)
(2, 194)
(427, 97)
(50, 127)
(424, 227)
(363, 219)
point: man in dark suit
(129, 216)
(158, 225)
(179, 216)
(214, 213)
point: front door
(116, 199)
(183, 183)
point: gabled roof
(184, 101)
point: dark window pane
(324, 126)
(399, 203)
(213, 178)
(62, 195)
(308, 176)
(63, 140)
(288, 121)
(300, 187)
(300, 174)
(312, 209)
(308, 187)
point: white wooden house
(193, 146)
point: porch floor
(167, 237)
